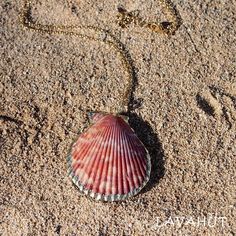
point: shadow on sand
(151, 141)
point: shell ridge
(134, 160)
(104, 154)
(146, 166)
(97, 164)
(109, 170)
(85, 148)
(94, 157)
(138, 155)
(86, 154)
(118, 167)
(119, 181)
(132, 168)
(109, 166)
(114, 173)
(123, 165)
(79, 155)
(137, 159)
(142, 160)
(127, 159)
(92, 167)
(111, 182)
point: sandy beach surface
(186, 92)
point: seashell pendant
(108, 162)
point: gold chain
(124, 18)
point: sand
(187, 94)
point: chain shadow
(151, 141)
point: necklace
(108, 162)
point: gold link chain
(124, 19)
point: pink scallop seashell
(108, 161)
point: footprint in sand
(219, 102)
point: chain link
(124, 18)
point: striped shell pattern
(108, 162)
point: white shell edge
(112, 197)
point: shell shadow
(151, 141)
